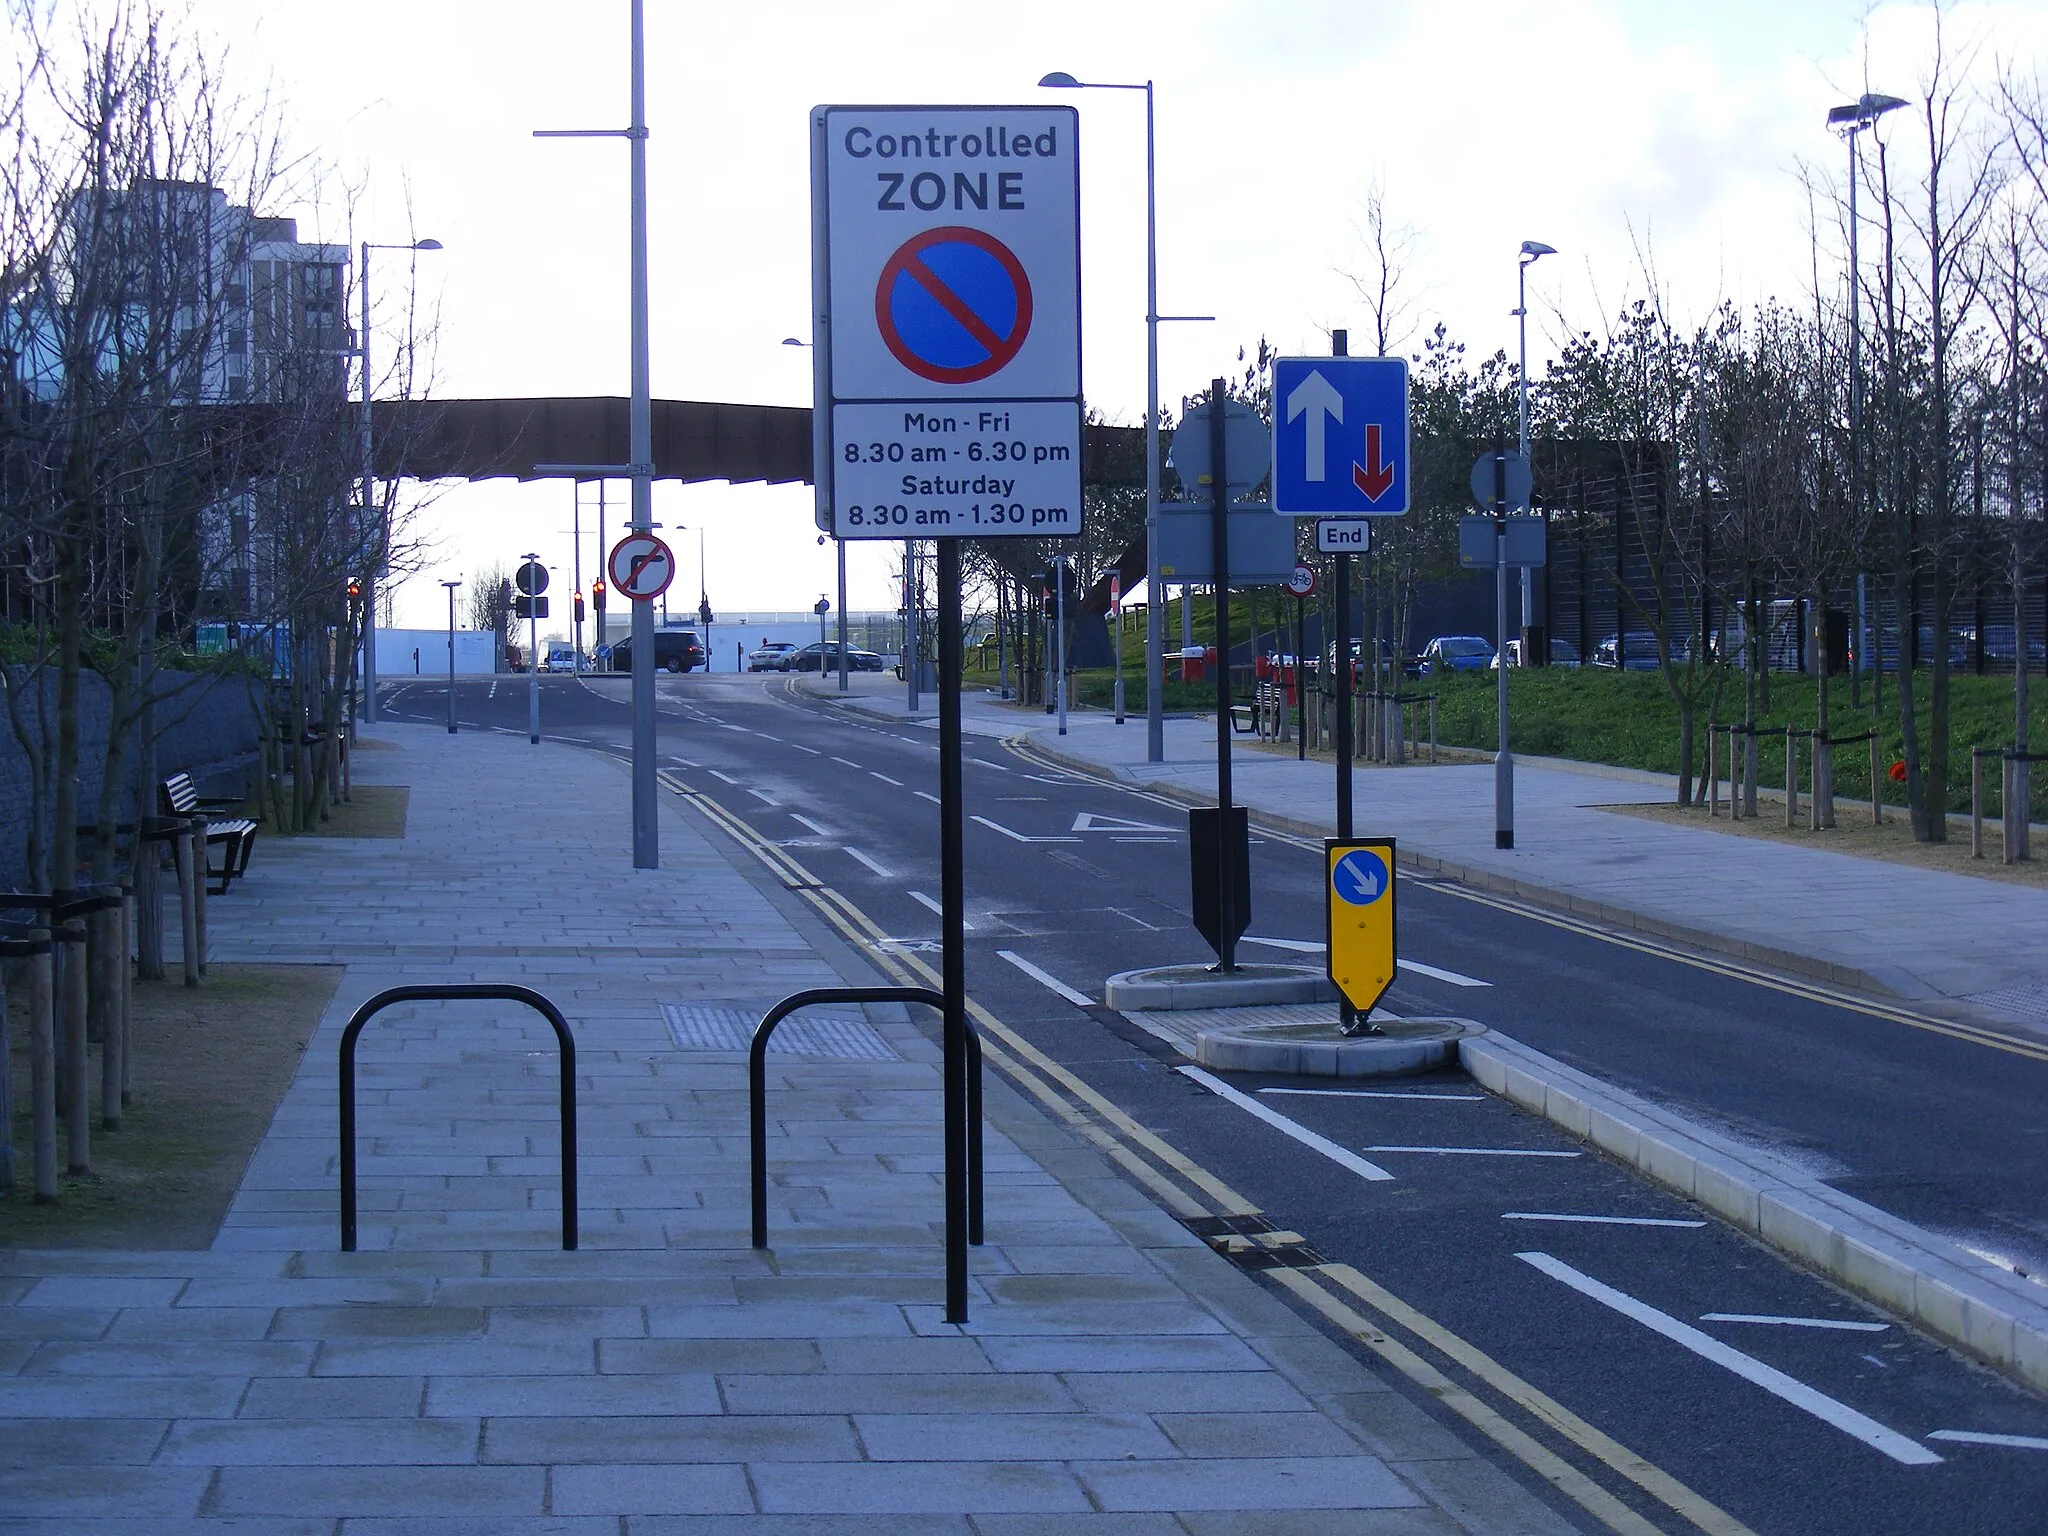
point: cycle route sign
(946, 286)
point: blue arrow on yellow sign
(1358, 898)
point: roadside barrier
(757, 1093)
(486, 991)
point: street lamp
(1849, 120)
(1155, 614)
(451, 586)
(1533, 251)
(370, 567)
(839, 544)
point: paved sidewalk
(1918, 933)
(463, 1375)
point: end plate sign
(946, 285)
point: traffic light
(597, 596)
(579, 607)
(355, 590)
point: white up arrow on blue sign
(1340, 436)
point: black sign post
(1227, 849)
(952, 930)
(1340, 581)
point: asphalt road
(1628, 1321)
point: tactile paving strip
(2027, 1003)
(711, 1027)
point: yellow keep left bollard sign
(1358, 900)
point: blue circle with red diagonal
(953, 305)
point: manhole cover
(710, 1027)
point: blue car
(1457, 653)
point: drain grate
(711, 1027)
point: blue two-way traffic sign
(1340, 436)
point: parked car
(769, 656)
(1457, 653)
(677, 650)
(824, 655)
(1637, 649)
(1562, 654)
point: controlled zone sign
(946, 280)
(1340, 436)
(1358, 896)
(641, 567)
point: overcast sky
(1610, 129)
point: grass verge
(210, 1065)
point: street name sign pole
(946, 402)
(533, 580)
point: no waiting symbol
(953, 304)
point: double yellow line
(1555, 1444)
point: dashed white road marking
(885, 778)
(925, 794)
(846, 760)
(1342, 1157)
(1050, 983)
(764, 797)
(1841, 1324)
(1374, 1093)
(814, 752)
(930, 905)
(723, 777)
(1610, 1221)
(1977, 1437)
(1791, 1390)
(806, 821)
(861, 858)
(1478, 1151)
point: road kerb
(1790, 961)
(1975, 1306)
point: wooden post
(128, 909)
(77, 1080)
(1976, 802)
(1735, 809)
(188, 910)
(42, 1057)
(1713, 776)
(199, 887)
(103, 1008)
(1791, 779)
(1432, 727)
(1876, 783)
(6, 1091)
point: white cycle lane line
(1789, 1389)
(1292, 1129)
(1414, 967)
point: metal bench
(235, 836)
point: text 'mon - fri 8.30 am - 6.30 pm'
(946, 285)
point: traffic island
(1317, 1049)
(1181, 987)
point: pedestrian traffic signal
(579, 607)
